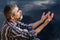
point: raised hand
(50, 16)
(44, 16)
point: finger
(52, 15)
(43, 13)
(49, 16)
(48, 12)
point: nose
(20, 12)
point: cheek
(18, 15)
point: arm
(41, 27)
(34, 25)
(45, 23)
(22, 31)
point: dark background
(32, 11)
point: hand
(50, 16)
(44, 16)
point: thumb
(52, 15)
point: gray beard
(20, 18)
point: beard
(20, 18)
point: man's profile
(13, 29)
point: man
(13, 29)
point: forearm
(49, 18)
(40, 21)
(34, 25)
(41, 27)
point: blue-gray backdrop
(32, 11)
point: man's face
(17, 13)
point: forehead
(15, 9)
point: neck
(14, 21)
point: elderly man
(14, 29)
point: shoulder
(4, 25)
